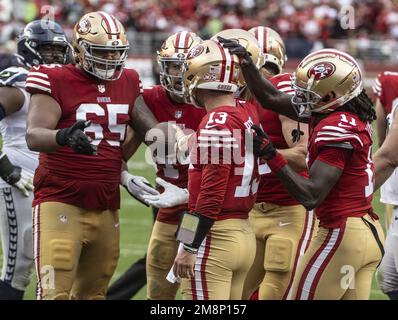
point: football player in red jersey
(76, 196)
(343, 256)
(217, 243)
(40, 42)
(167, 103)
(282, 227)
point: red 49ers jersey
(352, 194)
(90, 182)
(271, 189)
(223, 176)
(386, 88)
(187, 116)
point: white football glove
(171, 197)
(25, 184)
(182, 144)
(137, 186)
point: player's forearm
(384, 167)
(130, 145)
(142, 119)
(11, 100)
(302, 189)
(266, 94)
(295, 157)
(381, 122)
(212, 191)
(42, 139)
(381, 130)
(124, 166)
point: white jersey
(13, 127)
(389, 190)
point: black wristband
(8, 172)
(61, 136)
(193, 228)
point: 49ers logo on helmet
(84, 26)
(322, 70)
(194, 52)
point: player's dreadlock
(362, 106)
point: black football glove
(262, 145)
(235, 48)
(15, 176)
(75, 138)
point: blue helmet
(42, 41)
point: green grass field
(136, 224)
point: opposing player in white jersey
(40, 42)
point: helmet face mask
(171, 71)
(304, 100)
(53, 53)
(100, 45)
(171, 58)
(103, 68)
(272, 48)
(189, 89)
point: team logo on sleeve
(322, 70)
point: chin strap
(297, 133)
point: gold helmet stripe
(227, 64)
(111, 25)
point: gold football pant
(162, 249)
(340, 262)
(283, 233)
(222, 263)
(75, 251)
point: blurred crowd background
(305, 25)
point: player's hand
(171, 196)
(182, 144)
(15, 176)
(75, 138)
(262, 145)
(25, 184)
(184, 264)
(137, 186)
(235, 48)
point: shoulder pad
(13, 77)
